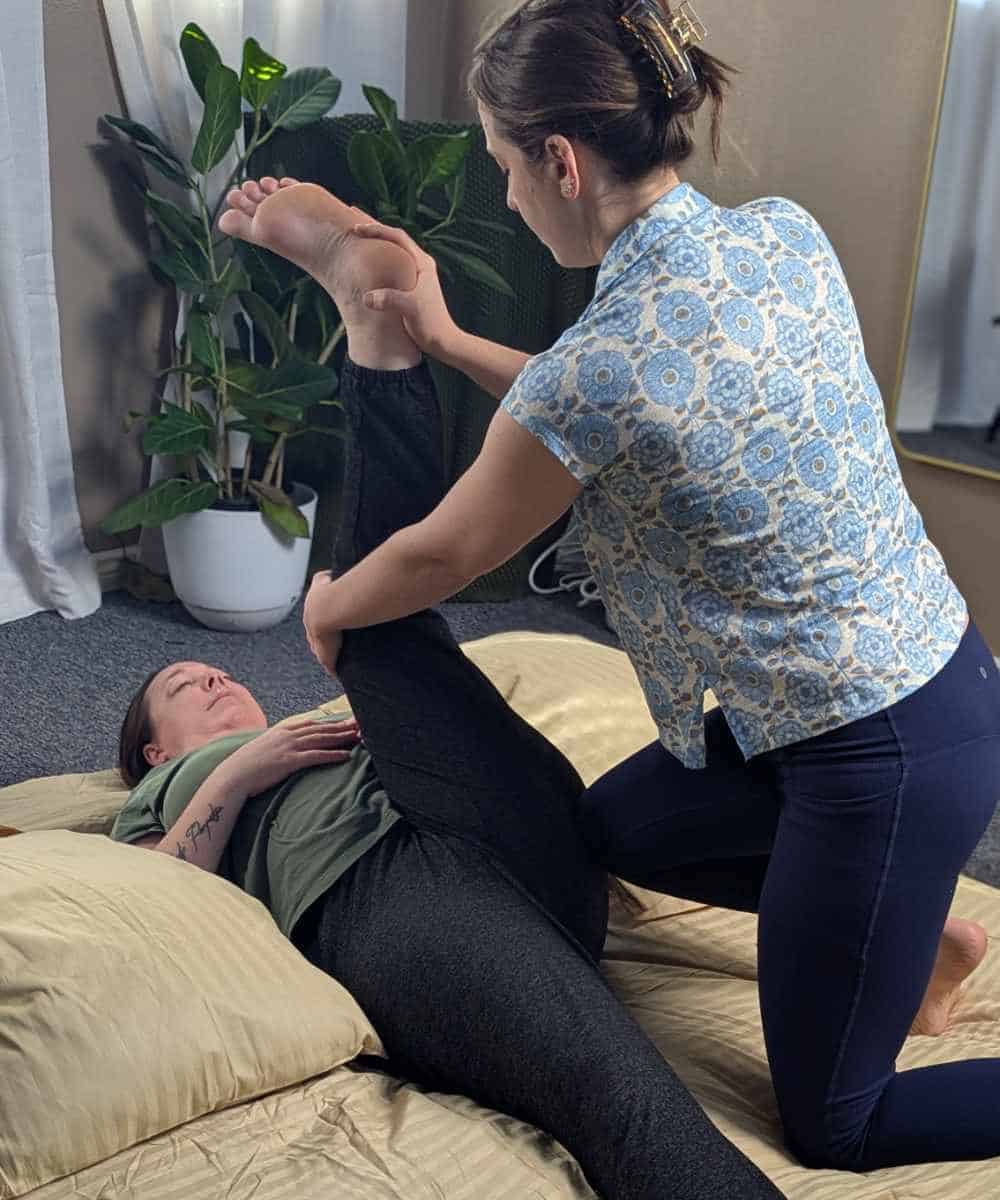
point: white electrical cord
(571, 572)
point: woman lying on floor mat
(714, 420)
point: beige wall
(110, 309)
(833, 107)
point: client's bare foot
(312, 228)
(962, 949)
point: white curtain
(953, 357)
(43, 561)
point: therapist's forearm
(492, 366)
(398, 578)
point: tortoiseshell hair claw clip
(669, 53)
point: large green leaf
(234, 279)
(185, 266)
(388, 212)
(365, 154)
(223, 114)
(269, 322)
(455, 189)
(437, 157)
(258, 433)
(204, 339)
(384, 107)
(326, 312)
(144, 138)
(200, 56)
(180, 228)
(174, 430)
(395, 166)
(161, 503)
(202, 414)
(262, 73)
(284, 392)
(472, 266)
(154, 150)
(270, 276)
(279, 511)
(302, 97)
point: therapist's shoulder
(779, 223)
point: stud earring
(568, 189)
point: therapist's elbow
(439, 567)
(454, 561)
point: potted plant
(254, 365)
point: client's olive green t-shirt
(291, 842)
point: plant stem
(221, 397)
(280, 479)
(246, 469)
(276, 456)
(448, 220)
(191, 466)
(293, 320)
(331, 345)
(187, 393)
(256, 141)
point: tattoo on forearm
(181, 852)
(197, 828)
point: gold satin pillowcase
(138, 992)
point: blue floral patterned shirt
(743, 511)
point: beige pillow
(138, 992)
(83, 803)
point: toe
(240, 200)
(288, 181)
(254, 191)
(269, 185)
(237, 224)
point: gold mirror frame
(892, 412)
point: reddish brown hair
(136, 734)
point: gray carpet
(65, 685)
(965, 444)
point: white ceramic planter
(231, 572)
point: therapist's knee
(817, 1145)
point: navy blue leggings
(849, 846)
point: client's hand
(323, 641)
(284, 749)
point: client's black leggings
(470, 933)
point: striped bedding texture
(686, 971)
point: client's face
(190, 704)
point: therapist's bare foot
(312, 228)
(962, 949)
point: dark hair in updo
(569, 67)
(136, 734)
